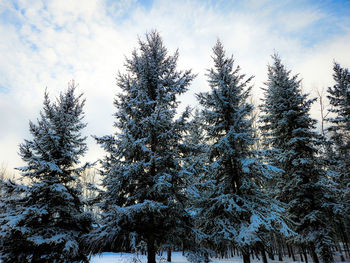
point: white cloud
(298, 20)
(87, 41)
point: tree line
(209, 182)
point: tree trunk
(151, 251)
(280, 253)
(246, 257)
(270, 253)
(301, 255)
(263, 255)
(292, 252)
(345, 238)
(289, 253)
(169, 255)
(342, 259)
(314, 255)
(305, 255)
(279, 248)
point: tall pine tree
(339, 133)
(144, 201)
(196, 158)
(235, 211)
(292, 145)
(47, 221)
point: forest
(222, 179)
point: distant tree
(88, 182)
(323, 108)
(3, 174)
(3, 171)
(3, 194)
(48, 220)
(144, 201)
(196, 159)
(292, 145)
(235, 210)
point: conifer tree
(339, 141)
(11, 199)
(196, 159)
(292, 145)
(144, 201)
(235, 210)
(339, 130)
(47, 220)
(195, 164)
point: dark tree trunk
(301, 255)
(263, 255)
(345, 239)
(168, 255)
(270, 253)
(151, 251)
(305, 255)
(342, 259)
(280, 258)
(314, 255)
(246, 257)
(345, 246)
(279, 249)
(292, 252)
(288, 250)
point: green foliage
(46, 222)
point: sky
(45, 44)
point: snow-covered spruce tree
(144, 201)
(235, 210)
(339, 141)
(11, 198)
(195, 184)
(292, 145)
(339, 131)
(196, 159)
(49, 219)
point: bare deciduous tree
(323, 106)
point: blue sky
(44, 44)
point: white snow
(176, 258)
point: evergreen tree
(235, 210)
(144, 201)
(339, 130)
(196, 159)
(292, 145)
(195, 163)
(339, 150)
(11, 198)
(47, 221)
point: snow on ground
(176, 258)
(134, 258)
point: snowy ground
(176, 258)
